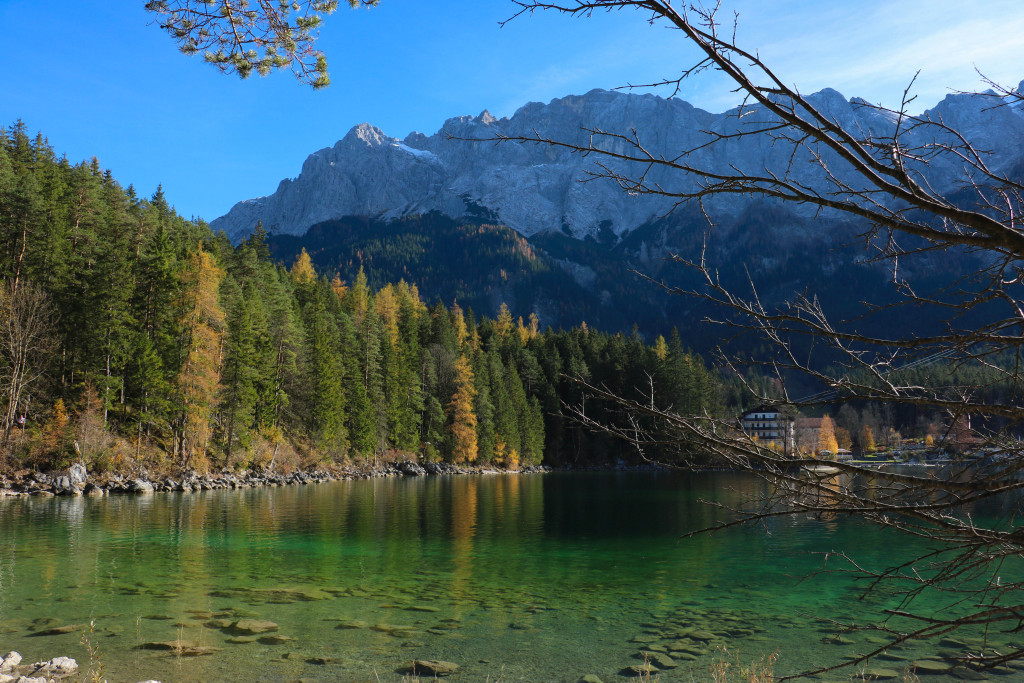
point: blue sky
(98, 79)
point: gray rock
(58, 666)
(410, 469)
(9, 661)
(589, 678)
(140, 486)
(77, 474)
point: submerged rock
(218, 623)
(659, 659)
(179, 647)
(243, 640)
(351, 624)
(431, 667)
(60, 630)
(636, 670)
(253, 626)
(930, 667)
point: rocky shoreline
(56, 669)
(77, 481)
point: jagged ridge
(536, 188)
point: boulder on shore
(9, 661)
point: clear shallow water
(514, 578)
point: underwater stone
(351, 623)
(636, 670)
(254, 626)
(433, 667)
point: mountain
(449, 211)
(536, 188)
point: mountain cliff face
(536, 188)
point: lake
(539, 577)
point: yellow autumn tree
(463, 425)
(867, 439)
(660, 348)
(302, 270)
(827, 436)
(414, 296)
(202, 325)
(339, 287)
(459, 324)
(55, 430)
(522, 331)
(534, 325)
(503, 325)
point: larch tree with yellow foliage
(827, 436)
(867, 439)
(302, 270)
(463, 417)
(203, 329)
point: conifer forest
(137, 339)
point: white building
(770, 427)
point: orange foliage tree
(463, 418)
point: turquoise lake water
(542, 577)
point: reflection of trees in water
(463, 526)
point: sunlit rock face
(461, 171)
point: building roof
(809, 423)
(765, 408)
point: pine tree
(239, 375)
(325, 404)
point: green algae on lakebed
(532, 577)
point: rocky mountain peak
(534, 188)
